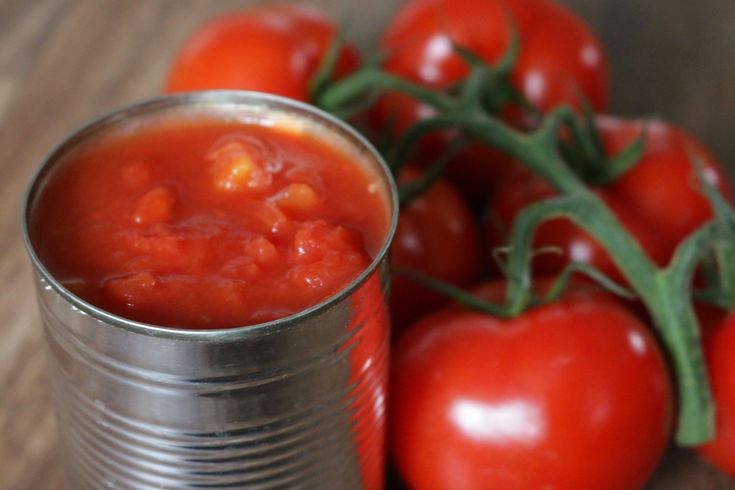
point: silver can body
(293, 403)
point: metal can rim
(181, 99)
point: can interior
(246, 107)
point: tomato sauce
(206, 223)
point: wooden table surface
(63, 62)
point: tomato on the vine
(436, 235)
(560, 62)
(659, 200)
(572, 394)
(719, 343)
(275, 49)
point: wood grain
(63, 62)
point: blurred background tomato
(63, 62)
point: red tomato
(720, 353)
(570, 395)
(436, 235)
(560, 62)
(275, 49)
(659, 200)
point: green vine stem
(505, 310)
(370, 79)
(665, 292)
(455, 293)
(682, 334)
(414, 188)
(721, 280)
(585, 152)
(561, 283)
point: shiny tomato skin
(571, 395)
(419, 40)
(663, 186)
(563, 239)
(561, 62)
(438, 236)
(720, 354)
(274, 49)
(475, 170)
(659, 200)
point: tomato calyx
(326, 75)
(327, 68)
(584, 151)
(487, 88)
(719, 263)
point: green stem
(414, 188)
(457, 294)
(723, 288)
(538, 152)
(588, 211)
(368, 80)
(680, 332)
(562, 282)
(618, 165)
(665, 292)
(326, 70)
(581, 137)
(725, 258)
(534, 150)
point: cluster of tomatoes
(575, 393)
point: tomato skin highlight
(274, 49)
(568, 241)
(560, 62)
(659, 200)
(570, 395)
(663, 186)
(436, 235)
(719, 343)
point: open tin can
(292, 403)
